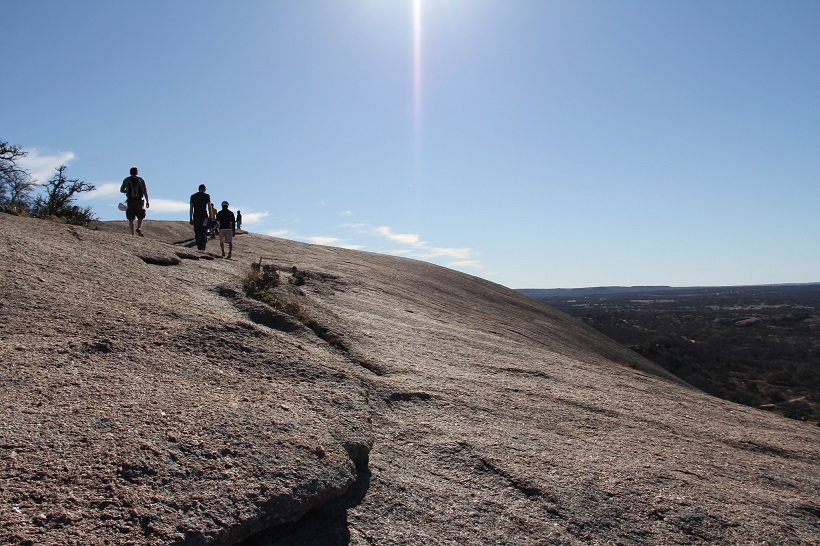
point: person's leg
(222, 236)
(131, 213)
(200, 233)
(226, 236)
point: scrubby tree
(9, 155)
(15, 182)
(59, 193)
(16, 191)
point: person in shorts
(136, 195)
(227, 228)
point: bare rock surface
(145, 399)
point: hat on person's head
(224, 204)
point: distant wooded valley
(755, 345)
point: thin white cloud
(106, 190)
(473, 264)
(347, 213)
(319, 240)
(249, 218)
(412, 239)
(457, 253)
(418, 248)
(41, 165)
(278, 232)
(411, 245)
(169, 205)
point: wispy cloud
(105, 190)
(457, 253)
(412, 239)
(410, 245)
(41, 165)
(416, 247)
(250, 218)
(320, 240)
(278, 233)
(169, 205)
(472, 264)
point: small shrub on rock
(298, 278)
(259, 283)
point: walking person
(227, 228)
(239, 219)
(213, 226)
(134, 189)
(200, 205)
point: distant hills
(539, 293)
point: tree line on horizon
(22, 195)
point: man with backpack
(135, 191)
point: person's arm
(145, 191)
(122, 187)
(192, 212)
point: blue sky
(535, 143)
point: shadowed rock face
(146, 400)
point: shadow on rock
(323, 526)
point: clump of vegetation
(295, 309)
(297, 277)
(259, 283)
(261, 277)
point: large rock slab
(139, 406)
(148, 404)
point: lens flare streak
(417, 66)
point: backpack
(135, 188)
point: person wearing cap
(227, 228)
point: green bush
(259, 282)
